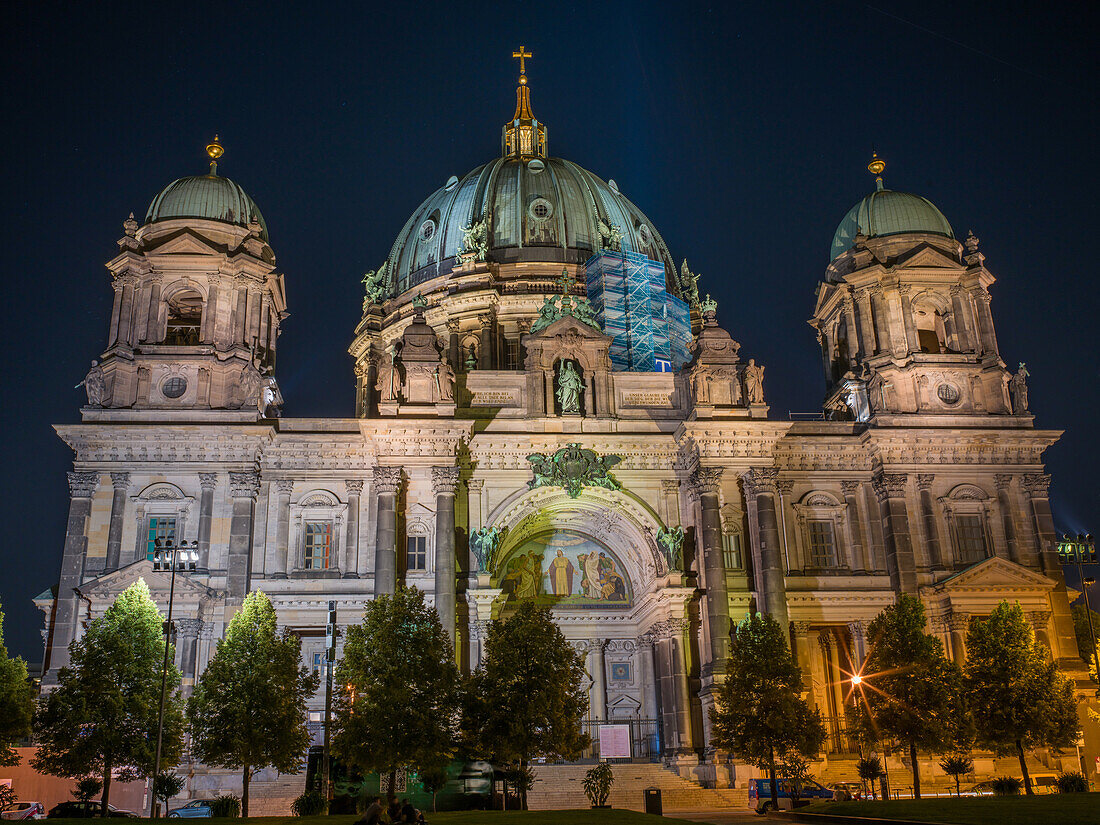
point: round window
(540, 209)
(427, 230)
(948, 393)
(174, 387)
(643, 235)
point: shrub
(597, 784)
(311, 803)
(225, 805)
(7, 797)
(1007, 786)
(1072, 782)
(870, 770)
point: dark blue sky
(742, 130)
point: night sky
(742, 130)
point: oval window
(174, 387)
(427, 230)
(540, 209)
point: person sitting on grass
(373, 814)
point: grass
(575, 817)
(1048, 809)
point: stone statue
(474, 244)
(483, 544)
(1017, 386)
(689, 285)
(611, 237)
(445, 380)
(671, 543)
(375, 284)
(270, 401)
(573, 468)
(389, 376)
(569, 389)
(419, 301)
(754, 383)
(471, 359)
(95, 386)
(700, 384)
(250, 388)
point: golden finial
(522, 54)
(876, 167)
(215, 151)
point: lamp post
(1081, 551)
(184, 558)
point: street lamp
(184, 558)
(1082, 550)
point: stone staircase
(559, 786)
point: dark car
(85, 810)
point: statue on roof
(754, 383)
(475, 245)
(611, 237)
(1017, 388)
(95, 386)
(689, 285)
(375, 284)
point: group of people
(393, 813)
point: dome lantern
(523, 136)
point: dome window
(174, 387)
(644, 235)
(184, 319)
(427, 230)
(540, 209)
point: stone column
(858, 631)
(958, 312)
(121, 484)
(804, 659)
(282, 561)
(208, 331)
(958, 624)
(126, 310)
(890, 489)
(861, 550)
(207, 483)
(647, 677)
(82, 486)
(354, 489)
(598, 698)
(243, 487)
(485, 341)
(453, 352)
(444, 485)
(152, 314)
(116, 312)
(240, 315)
(673, 681)
(928, 516)
(1063, 636)
(760, 483)
(188, 646)
(1003, 481)
(706, 484)
(985, 320)
(911, 338)
(387, 480)
(1040, 620)
(869, 343)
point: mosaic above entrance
(565, 569)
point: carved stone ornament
(483, 544)
(83, 484)
(120, 481)
(1037, 484)
(354, 486)
(208, 481)
(573, 468)
(850, 488)
(760, 480)
(387, 480)
(444, 480)
(890, 485)
(244, 485)
(706, 481)
(671, 543)
(285, 486)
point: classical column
(1040, 620)
(928, 516)
(985, 320)
(647, 677)
(444, 484)
(208, 332)
(121, 484)
(187, 647)
(861, 550)
(240, 315)
(958, 624)
(804, 659)
(126, 309)
(387, 480)
(760, 483)
(152, 314)
(911, 337)
(82, 486)
(354, 487)
(452, 346)
(706, 484)
(857, 629)
(116, 312)
(1063, 637)
(207, 483)
(1003, 481)
(485, 341)
(958, 312)
(597, 700)
(282, 561)
(243, 487)
(890, 489)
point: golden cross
(522, 55)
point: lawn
(1048, 809)
(579, 817)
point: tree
(759, 713)
(102, 718)
(16, 702)
(912, 691)
(1084, 635)
(870, 772)
(248, 710)
(433, 780)
(397, 707)
(1020, 698)
(526, 699)
(957, 764)
(166, 784)
(86, 788)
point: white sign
(615, 741)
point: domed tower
(198, 304)
(483, 253)
(903, 315)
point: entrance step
(561, 786)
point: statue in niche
(389, 375)
(700, 384)
(754, 383)
(484, 543)
(1017, 387)
(95, 385)
(445, 380)
(471, 359)
(569, 389)
(672, 545)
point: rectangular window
(822, 544)
(731, 550)
(971, 534)
(318, 553)
(160, 527)
(511, 354)
(318, 661)
(416, 553)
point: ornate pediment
(186, 242)
(991, 575)
(108, 586)
(573, 468)
(927, 256)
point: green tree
(1020, 698)
(397, 707)
(957, 764)
(912, 691)
(869, 769)
(102, 718)
(86, 788)
(1084, 635)
(166, 785)
(248, 710)
(526, 699)
(16, 702)
(759, 713)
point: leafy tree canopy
(248, 709)
(16, 702)
(1081, 629)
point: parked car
(843, 791)
(196, 807)
(760, 794)
(24, 810)
(85, 810)
(981, 789)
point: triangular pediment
(108, 586)
(992, 574)
(927, 256)
(567, 325)
(186, 242)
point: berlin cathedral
(547, 407)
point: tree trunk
(391, 786)
(433, 800)
(244, 792)
(771, 777)
(106, 787)
(916, 769)
(1023, 766)
(523, 784)
(958, 786)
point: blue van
(760, 793)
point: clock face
(948, 393)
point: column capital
(802, 628)
(83, 484)
(890, 485)
(1002, 481)
(475, 485)
(444, 480)
(387, 480)
(1039, 619)
(924, 480)
(784, 486)
(850, 488)
(1037, 484)
(858, 628)
(285, 486)
(644, 642)
(706, 480)
(120, 481)
(189, 628)
(452, 326)
(354, 486)
(244, 485)
(958, 621)
(208, 481)
(761, 480)
(669, 628)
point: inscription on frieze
(647, 399)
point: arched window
(184, 319)
(968, 509)
(930, 329)
(821, 522)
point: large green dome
(885, 212)
(205, 196)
